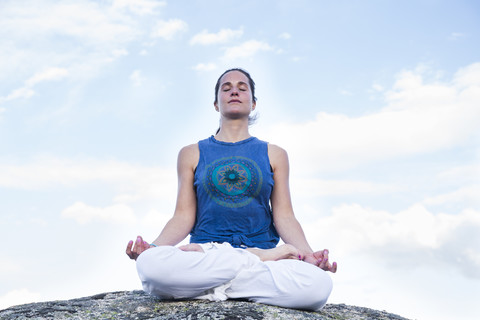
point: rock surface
(130, 305)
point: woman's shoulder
(189, 150)
(189, 155)
(278, 156)
(275, 150)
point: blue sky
(376, 102)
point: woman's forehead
(234, 77)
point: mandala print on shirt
(233, 182)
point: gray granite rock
(130, 305)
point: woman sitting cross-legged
(234, 202)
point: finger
(320, 254)
(295, 254)
(323, 260)
(137, 248)
(146, 245)
(328, 266)
(310, 259)
(320, 263)
(131, 251)
(128, 251)
(324, 263)
(129, 247)
(325, 254)
(334, 267)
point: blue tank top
(233, 184)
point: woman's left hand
(320, 259)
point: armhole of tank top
(268, 158)
(199, 157)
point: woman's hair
(251, 119)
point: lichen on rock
(136, 305)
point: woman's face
(234, 95)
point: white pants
(223, 272)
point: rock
(130, 305)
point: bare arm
(180, 225)
(284, 218)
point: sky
(376, 102)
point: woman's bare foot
(191, 247)
(285, 251)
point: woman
(226, 184)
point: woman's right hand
(135, 249)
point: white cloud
(141, 7)
(285, 36)
(377, 87)
(117, 213)
(136, 78)
(468, 76)
(464, 174)
(20, 93)
(88, 22)
(464, 195)
(134, 188)
(119, 53)
(156, 218)
(49, 74)
(223, 36)
(47, 172)
(246, 50)
(398, 239)
(319, 187)
(80, 36)
(205, 67)
(344, 92)
(8, 266)
(456, 35)
(419, 118)
(18, 296)
(168, 29)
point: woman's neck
(232, 132)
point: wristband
(152, 244)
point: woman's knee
(304, 286)
(153, 265)
(316, 294)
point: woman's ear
(216, 106)
(254, 105)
